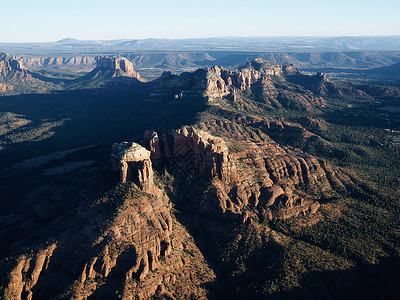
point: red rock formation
(133, 162)
(152, 143)
(131, 251)
(120, 65)
(208, 157)
(263, 79)
(12, 70)
(130, 247)
(206, 153)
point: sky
(52, 20)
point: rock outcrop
(206, 155)
(16, 79)
(217, 82)
(12, 70)
(120, 66)
(277, 182)
(276, 186)
(5, 87)
(194, 152)
(152, 142)
(258, 80)
(108, 71)
(133, 162)
(134, 254)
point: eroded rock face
(12, 70)
(120, 65)
(120, 244)
(265, 81)
(214, 82)
(277, 182)
(152, 142)
(206, 154)
(195, 152)
(133, 162)
(130, 247)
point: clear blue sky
(52, 20)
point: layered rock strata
(197, 152)
(277, 182)
(57, 62)
(5, 87)
(206, 154)
(152, 142)
(128, 248)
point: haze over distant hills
(72, 58)
(70, 45)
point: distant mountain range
(73, 46)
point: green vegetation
(115, 196)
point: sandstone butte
(120, 65)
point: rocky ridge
(283, 184)
(216, 82)
(134, 253)
(16, 78)
(57, 62)
(265, 81)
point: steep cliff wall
(206, 154)
(12, 71)
(214, 82)
(58, 62)
(119, 65)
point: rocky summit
(133, 162)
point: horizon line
(206, 38)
